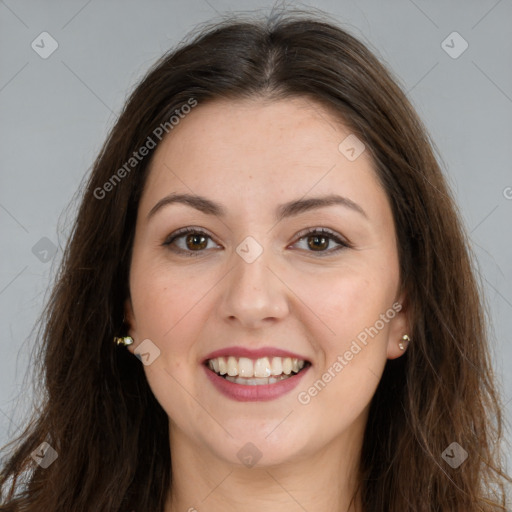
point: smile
(256, 372)
(245, 379)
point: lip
(245, 393)
(252, 353)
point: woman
(267, 300)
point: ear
(129, 320)
(399, 325)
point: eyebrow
(283, 211)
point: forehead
(261, 150)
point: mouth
(256, 372)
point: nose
(254, 294)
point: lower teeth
(258, 381)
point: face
(259, 283)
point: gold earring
(405, 339)
(125, 340)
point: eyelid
(184, 231)
(325, 231)
(342, 242)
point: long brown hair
(98, 412)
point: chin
(263, 447)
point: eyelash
(343, 244)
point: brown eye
(318, 241)
(195, 241)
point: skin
(250, 156)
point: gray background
(56, 112)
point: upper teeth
(263, 367)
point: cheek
(348, 301)
(166, 311)
(352, 350)
(357, 307)
(163, 297)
